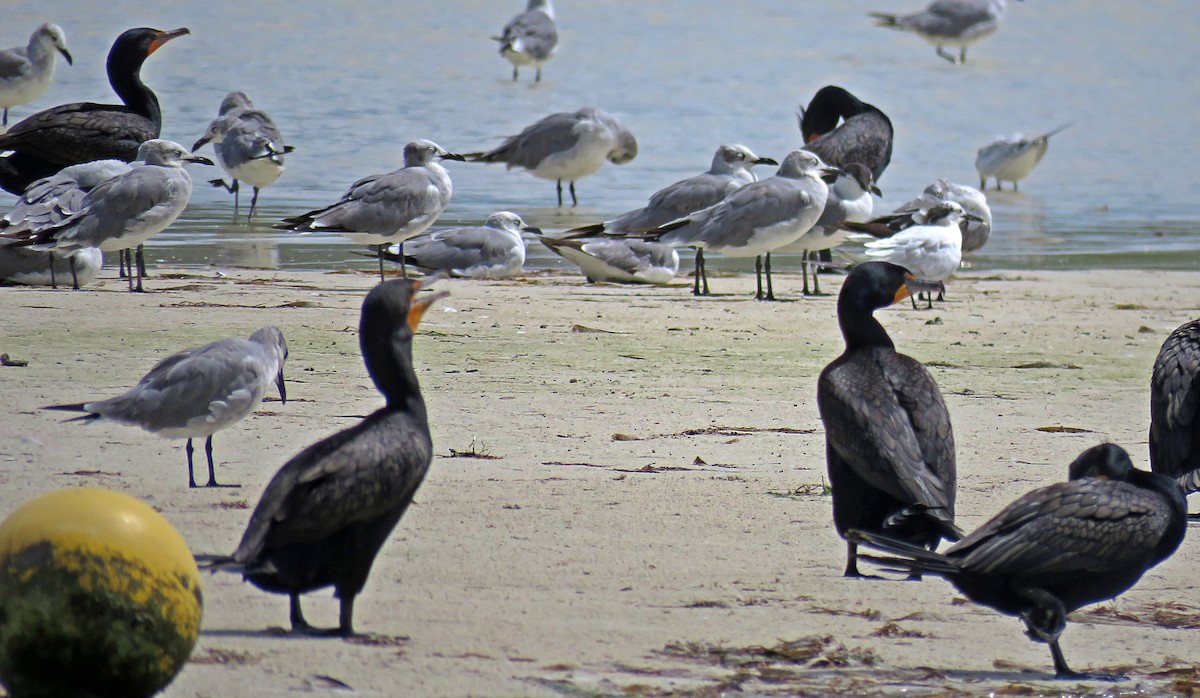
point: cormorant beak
(453, 156)
(282, 389)
(199, 159)
(419, 305)
(164, 37)
(904, 291)
(765, 161)
(829, 174)
(67, 55)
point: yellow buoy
(99, 596)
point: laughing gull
(841, 129)
(530, 38)
(566, 147)
(849, 200)
(199, 391)
(124, 211)
(26, 267)
(949, 23)
(248, 147)
(46, 142)
(26, 71)
(730, 171)
(758, 218)
(976, 224)
(931, 251)
(492, 250)
(46, 203)
(388, 208)
(620, 260)
(1011, 158)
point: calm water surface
(350, 82)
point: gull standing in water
(69, 134)
(849, 200)
(493, 250)
(759, 217)
(1011, 158)
(124, 211)
(530, 38)
(949, 23)
(26, 71)
(387, 208)
(730, 170)
(566, 146)
(197, 392)
(326, 513)
(624, 261)
(248, 146)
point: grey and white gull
(125, 210)
(530, 38)
(759, 217)
(492, 250)
(1011, 158)
(566, 147)
(26, 71)
(730, 170)
(247, 145)
(949, 23)
(628, 261)
(25, 267)
(387, 208)
(976, 224)
(931, 251)
(849, 200)
(198, 392)
(45, 203)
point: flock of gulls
(95, 177)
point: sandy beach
(628, 493)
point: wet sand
(628, 494)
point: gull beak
(66, 55)
(829, 174)
(199, 159)
(282, 389)
(453, 156)
(972, 217)
(200, 143)
(531, 230)
(765, 161)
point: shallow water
(350, 82)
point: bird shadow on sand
(279, 633)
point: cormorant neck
(859, 327)
(389, 362)
(828, 106)
(124, 74)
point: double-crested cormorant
(566, 146)
(863, 136)
(387, 208)
(729, 171)
(759, 217)
(50, 140)
(1175, 407)
(530, 38)
(1061, 547)
(326, 513)
(199, 391)
(888, 441)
